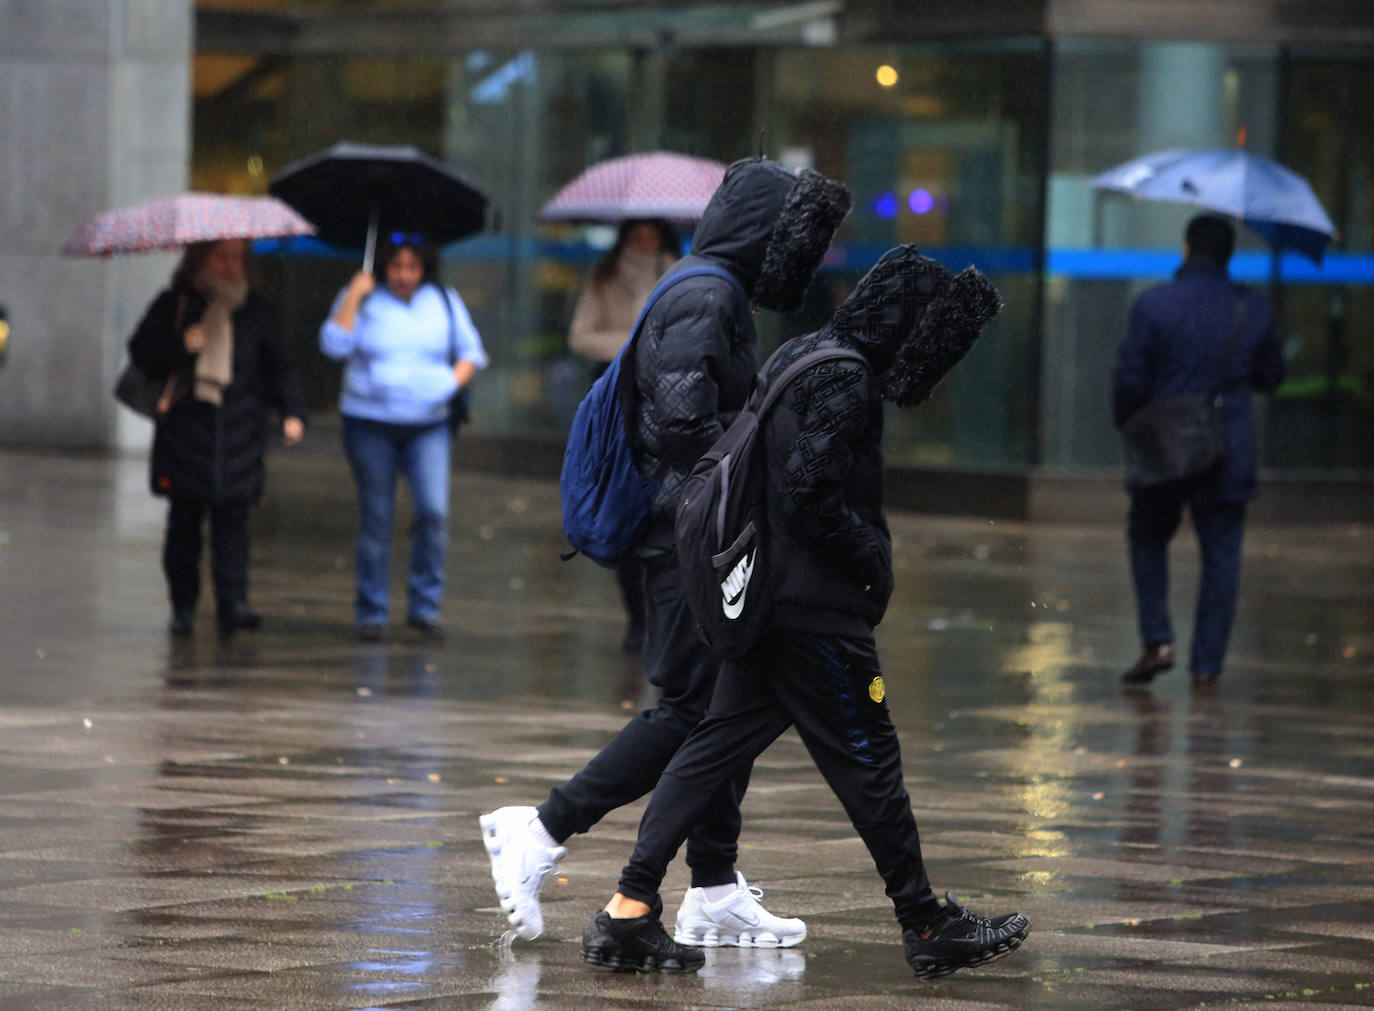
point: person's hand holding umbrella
(359, 287)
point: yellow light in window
(887, 76)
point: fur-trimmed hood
(770, 227)
(914, 320)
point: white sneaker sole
(708, 935)
(527, 925)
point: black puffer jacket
(200, 451)
(695, 358)
(829, 547)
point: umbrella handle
(371, 241)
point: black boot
(183, 622)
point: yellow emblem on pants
(876, 691)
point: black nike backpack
(721, 521)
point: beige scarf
(215, 366)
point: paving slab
(288, 818)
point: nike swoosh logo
(736, 585)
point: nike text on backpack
(605, 499)
(721, 521)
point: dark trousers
(676, 660)
(228, 553)
(630, 576)
(1154, 518)
(831, 689)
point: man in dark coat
(694, 363)
(1196, 334)
(212, 430)
(816, 664)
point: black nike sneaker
(959, 939)
(637, 945)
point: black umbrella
(351, 191)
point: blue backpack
(605, 499)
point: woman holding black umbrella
(410, 348)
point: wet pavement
(289, 819)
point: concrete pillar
(94, 113)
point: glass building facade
(977, 149)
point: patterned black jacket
(200, 451)
(695, 357)
(828, 541)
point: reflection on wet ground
(288, 819)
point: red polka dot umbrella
(660, 184)
(181, 220)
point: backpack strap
(696, 270)
(628, 389)
(773, 388)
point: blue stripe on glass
(1074, 264)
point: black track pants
(831, 689)
(627, 768)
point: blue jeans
(1220, 526)
(378, 451)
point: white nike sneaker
(736, 921)
(519, 864)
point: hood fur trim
(814, 208)
(953, 320)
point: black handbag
(1172, 438)
(138, 391)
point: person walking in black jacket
(694, 362)
(816, 666)
(216, 347)
(1198, 333)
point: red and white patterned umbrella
(178, 221)
(660, 184)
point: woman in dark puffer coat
(217, 348)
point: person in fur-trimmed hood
(693, 365)
(816, 665)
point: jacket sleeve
(1133, 378)
(335, 341)
(591, 332)
(694, 350)
(156, 346)
(1267, 368)
(814, 475)
(282, 384)
(468, 341)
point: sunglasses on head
(407, 239)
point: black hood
(771, 227)
(914, 320)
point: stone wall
(94, 114)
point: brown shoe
(1157, 658)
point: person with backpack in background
(815, 664)
(606, 310)
(692, 363)
(411, 349)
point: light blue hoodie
(400, 355)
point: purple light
(885, 206)
(920, 202)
